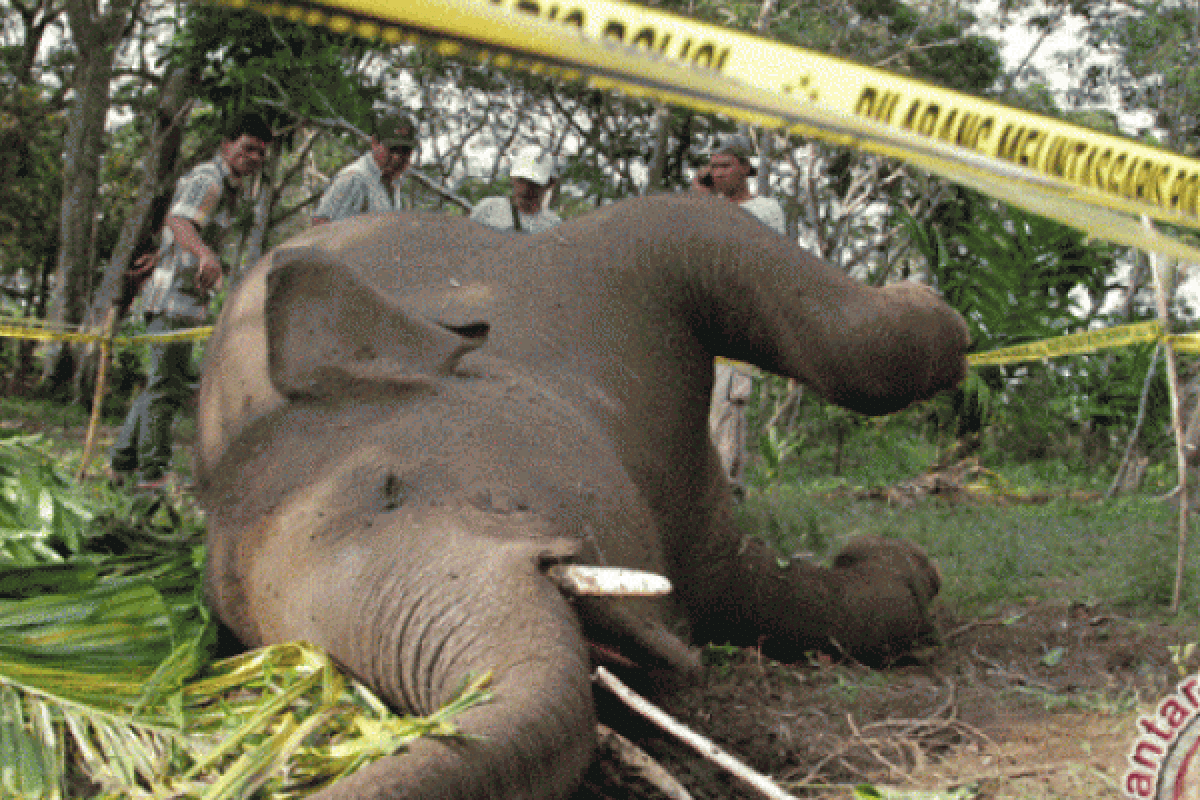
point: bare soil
(1039, 702)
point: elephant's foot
(872, 605)
(887, 586)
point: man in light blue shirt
(726, 176)
(365, 186)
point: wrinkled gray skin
(405, 418)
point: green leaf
(1053, 657)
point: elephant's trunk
(475, 604)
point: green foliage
(105, 663)
(778, 515)
(31, 135)
(1013, 275)
(285, 69)
(1016, 278)
(1156, 41)
(830, 446)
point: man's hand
(143, 265)
(208, 272)
(704, 181)
(208, 266)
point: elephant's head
(405, 419)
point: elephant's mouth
(473, 331)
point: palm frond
(105, 665)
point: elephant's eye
(394, 492)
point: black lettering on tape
(1031, 147)
(1116, 173)
(877, 105)
(1056, 157)
(705, 55)
(1162, 176)
(1184, 191)
(1103, 165)
(945, 130)
(1010, 141)
(644, 38)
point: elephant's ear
(328, 330)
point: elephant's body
(384, 483)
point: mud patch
(1038, 702)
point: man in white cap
(532, 178)
(365, 186)
(725, 176)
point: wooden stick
(1164, 316)
(1143, 404)
(702, 745)
(110, 322)
(642, 763)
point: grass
(1121, 551)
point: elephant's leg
(872, 605)
(419, 615)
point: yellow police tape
(1088, 342)
(39, 331)
(1071, 344)
(1081, 177)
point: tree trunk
(662, 143)
(264, 202)
(96, 37)
(149, 209)
(35, 19)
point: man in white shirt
(532, 178)
(726, 175)
(365, 186)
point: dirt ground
(1037, 703)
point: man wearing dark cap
(726, 174)
(187, 272)
(365, 186)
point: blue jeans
(144, 443)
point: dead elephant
(406, 418)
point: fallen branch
(1018, 678)
(885, 740)
(641, 762)
(702, 745)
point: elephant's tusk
(578, 579)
